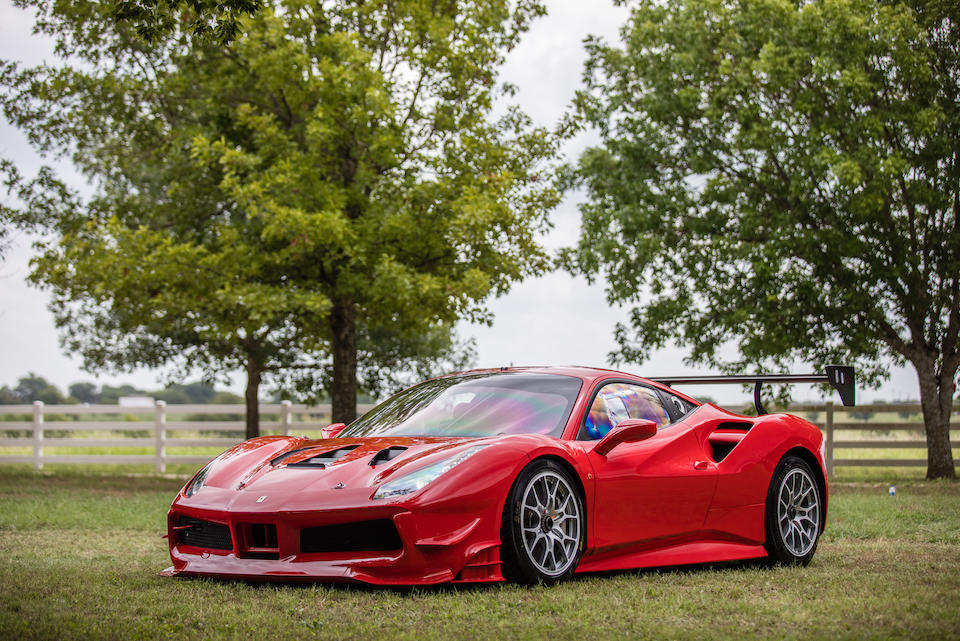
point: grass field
(79, 555)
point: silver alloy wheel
(798, 512)
(550, 523)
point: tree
(192, 393)
(331, 186)
(8, 396)
(111, 394)
(785, 175)
(32, 388)
(154, 19)
(85, 392)
(5, 222)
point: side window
(676, 406)
(618, 401)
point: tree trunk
(343, 326)
(252, 397)
(936, 399)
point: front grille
(258, 541)
(263, 535)
(362, 536)
(203, 534)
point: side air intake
(736, 426)
(203, 534)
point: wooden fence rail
(47, 428)
(879, 430)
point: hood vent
(322, 460)
(387, 454)
(277, 459)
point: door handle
(701, 465)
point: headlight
(194, 486)
(423, 477)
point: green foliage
(190, 393)
(84, 392)
(225, 398)
(6, 167)
(331, 184)
(154, 19)
(110, 394)
(8, 396)
(36, 388)
(782, 175)
(31, 388)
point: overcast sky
(553, 320)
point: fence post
(285, 417)
(829, 448)
(160, 434)
(38, 435)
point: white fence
(48, 428)
(164, 433)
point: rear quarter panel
(738, 508)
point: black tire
(542, 543)
(794, 513)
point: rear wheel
(794, 513)
(543, 529)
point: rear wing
(841, 377)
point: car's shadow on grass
(468, 588)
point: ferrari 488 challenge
(523, 474)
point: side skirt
(681, 554)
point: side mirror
(333, 430)
(628, 431)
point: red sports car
(524, 474)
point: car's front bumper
(381, 545)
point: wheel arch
(811, 460)
(565, 464)
(568, 466)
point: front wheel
(794, 513)
(543, 530)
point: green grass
(894, 475)
(79, 553)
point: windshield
(474, 405)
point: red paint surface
(660, 501)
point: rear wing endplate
(841, 377)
